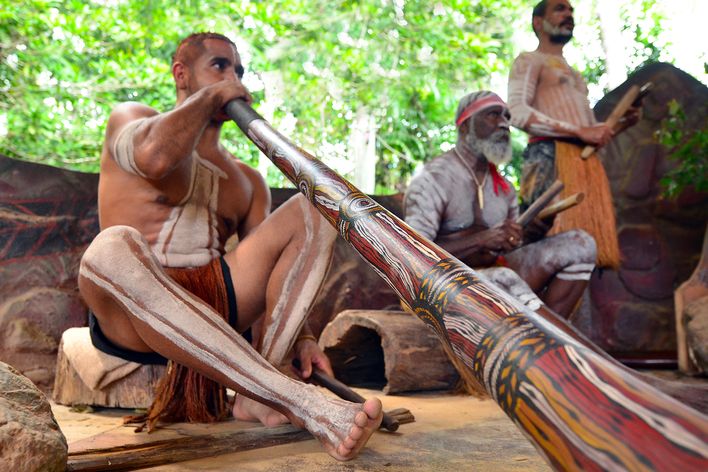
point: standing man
(548, 100)
(160, 284)
(464, 205)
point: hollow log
(389, 350)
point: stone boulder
(30, 438)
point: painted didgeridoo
(580, 410)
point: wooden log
(695, 288)
(391, 350)
(582, 411)
(136, 390)
(168, 451)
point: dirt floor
(451, 433)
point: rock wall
(660, 240)
(47, 218)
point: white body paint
(300, 287)
(547, 97)
(189, 236)
(442, 199)
(570, 256)
(123, 149)
(120, 262)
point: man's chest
(556, 72)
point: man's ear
(537, 23)
(180, 72)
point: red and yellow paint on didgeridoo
(581, 411)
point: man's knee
(111, 245)
(513, 284)
(315, 225)
(582, 256)
(585, 244)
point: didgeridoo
(581, 411)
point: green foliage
(644, 21)
(689, 150)
(65, 64)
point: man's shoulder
(442, 161)
(132, 110)
(439, 165)
(125, 113)
(529, 56)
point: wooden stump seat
(133, 390)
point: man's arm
(481, 248)
(158, 143)
(424, 204)
(523, 82)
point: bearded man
(548, 100)
(462, 203)
(161, 285)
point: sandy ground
(451, 433)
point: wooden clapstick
(562, 205)
(631, 98)
(540, 203)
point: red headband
(479, 105)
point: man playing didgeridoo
(160, 284)
(463, 204)
(548, 100)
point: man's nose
(232, 76)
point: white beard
(559, 34)
(496, 151)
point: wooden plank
(171, 450)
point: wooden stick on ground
(391, 420)
(540, 203)
(562, 205)
(168, 451)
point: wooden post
(694, 288)
(582, 411)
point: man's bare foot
(366, 420)
(246, 409)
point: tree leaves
(65, 64)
